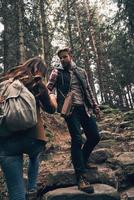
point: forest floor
(56, 157)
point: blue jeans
(11, 161)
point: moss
(110, 110)
(49, 134)
(129, 115)
(104, 107)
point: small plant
(49, 134)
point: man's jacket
(61, 80)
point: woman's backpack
(18, 94)
(17, 107)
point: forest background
(100, 34)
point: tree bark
(85, 50)
(5, 34)
(69, 24)
(44, 33)
(129, 97)
(21, 33)
(92, 37)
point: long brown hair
(31, 67)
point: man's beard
(66, 65)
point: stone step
(101, 192)
(130, 193)
(65, 178)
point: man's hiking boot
(31, 195)
(84, 185)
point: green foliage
(48, 134)
(111, 110)
(126, 13)
(129, 115)
(1, 70)
(104, 107)
(108, 110)
(121, 54)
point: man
(68, 77)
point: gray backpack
(17, 107)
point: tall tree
(21, 33)
(95, 48)
(44, 30)
(5, 33)
(84, 48)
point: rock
(66, 178)
(126, 158)
(101, 192)
(110, 143)
(105, 135)
(119, 130)
(130, 193)
(100, 155)
(131, 145)
(125, 173)
(125, 125)
(56, 179)
(107, 176)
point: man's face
(65, 59)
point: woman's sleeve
(46, 98)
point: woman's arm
(46, 99)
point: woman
(30, 141)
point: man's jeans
(79, 153)
(11, 161)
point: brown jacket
(48, 104)
(38, 131)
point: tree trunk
(132, 92)
(5, 34)
(21, 33)
(126, 100)
(44, 33)
(129, 97)
(69, 24)
(92, 37)
(85, 50)
(121, 104)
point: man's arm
(96, 109)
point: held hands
(96, 111)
